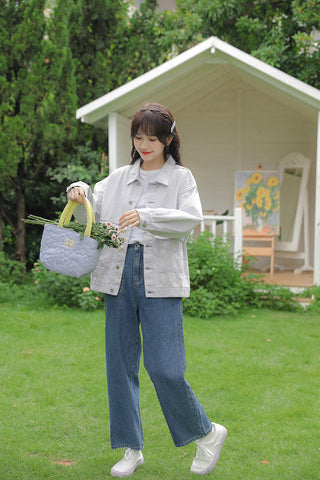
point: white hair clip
(172, 128)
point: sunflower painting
(258, 194)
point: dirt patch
(65, 463)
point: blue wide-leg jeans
(164, 359)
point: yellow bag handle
(68, 211)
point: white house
(232, 112)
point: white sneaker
(132, 459)
(208, 450)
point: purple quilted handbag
(63, 251)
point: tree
(37, 104)
(110, 46)
(143, 44)
(279, 32)
(95, 28)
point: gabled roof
(198, 69)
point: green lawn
(256, 373)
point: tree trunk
(21, 228)
(1, 232)
(1, 224)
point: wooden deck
(289, 278)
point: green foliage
(217, 287)
(277, 297)
(314, 294)
(62, 290)
(37, 88)
(83, 164)
(95, 29)
(278, 32)
(7, 237)
(144, 43)
(11, 271)
(37, 103)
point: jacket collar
(164, 173)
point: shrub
(277, 297)
(217, 287)
(314, 293)
(11, 271)
(65, 291)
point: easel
(263, 251)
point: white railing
(231, 224)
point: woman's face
(150, 149)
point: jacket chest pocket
(158, 196)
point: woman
(156, 203)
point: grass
(256, 373)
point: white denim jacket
(173, 210)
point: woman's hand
(129, 219)
(76, 194)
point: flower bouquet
(105, 234)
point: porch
(289, 279)
(230, 227)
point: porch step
(288, 279)
(304, 302)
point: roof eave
(95, 112)
(271, 75)
(89, 113)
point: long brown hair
(156, 120)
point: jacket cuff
(143, 218)
(83, 185)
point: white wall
(237, 128)
(207, 131)
(119, 141)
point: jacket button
(117, 267)
(144, 224)
(111, 290)
(130, 202)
